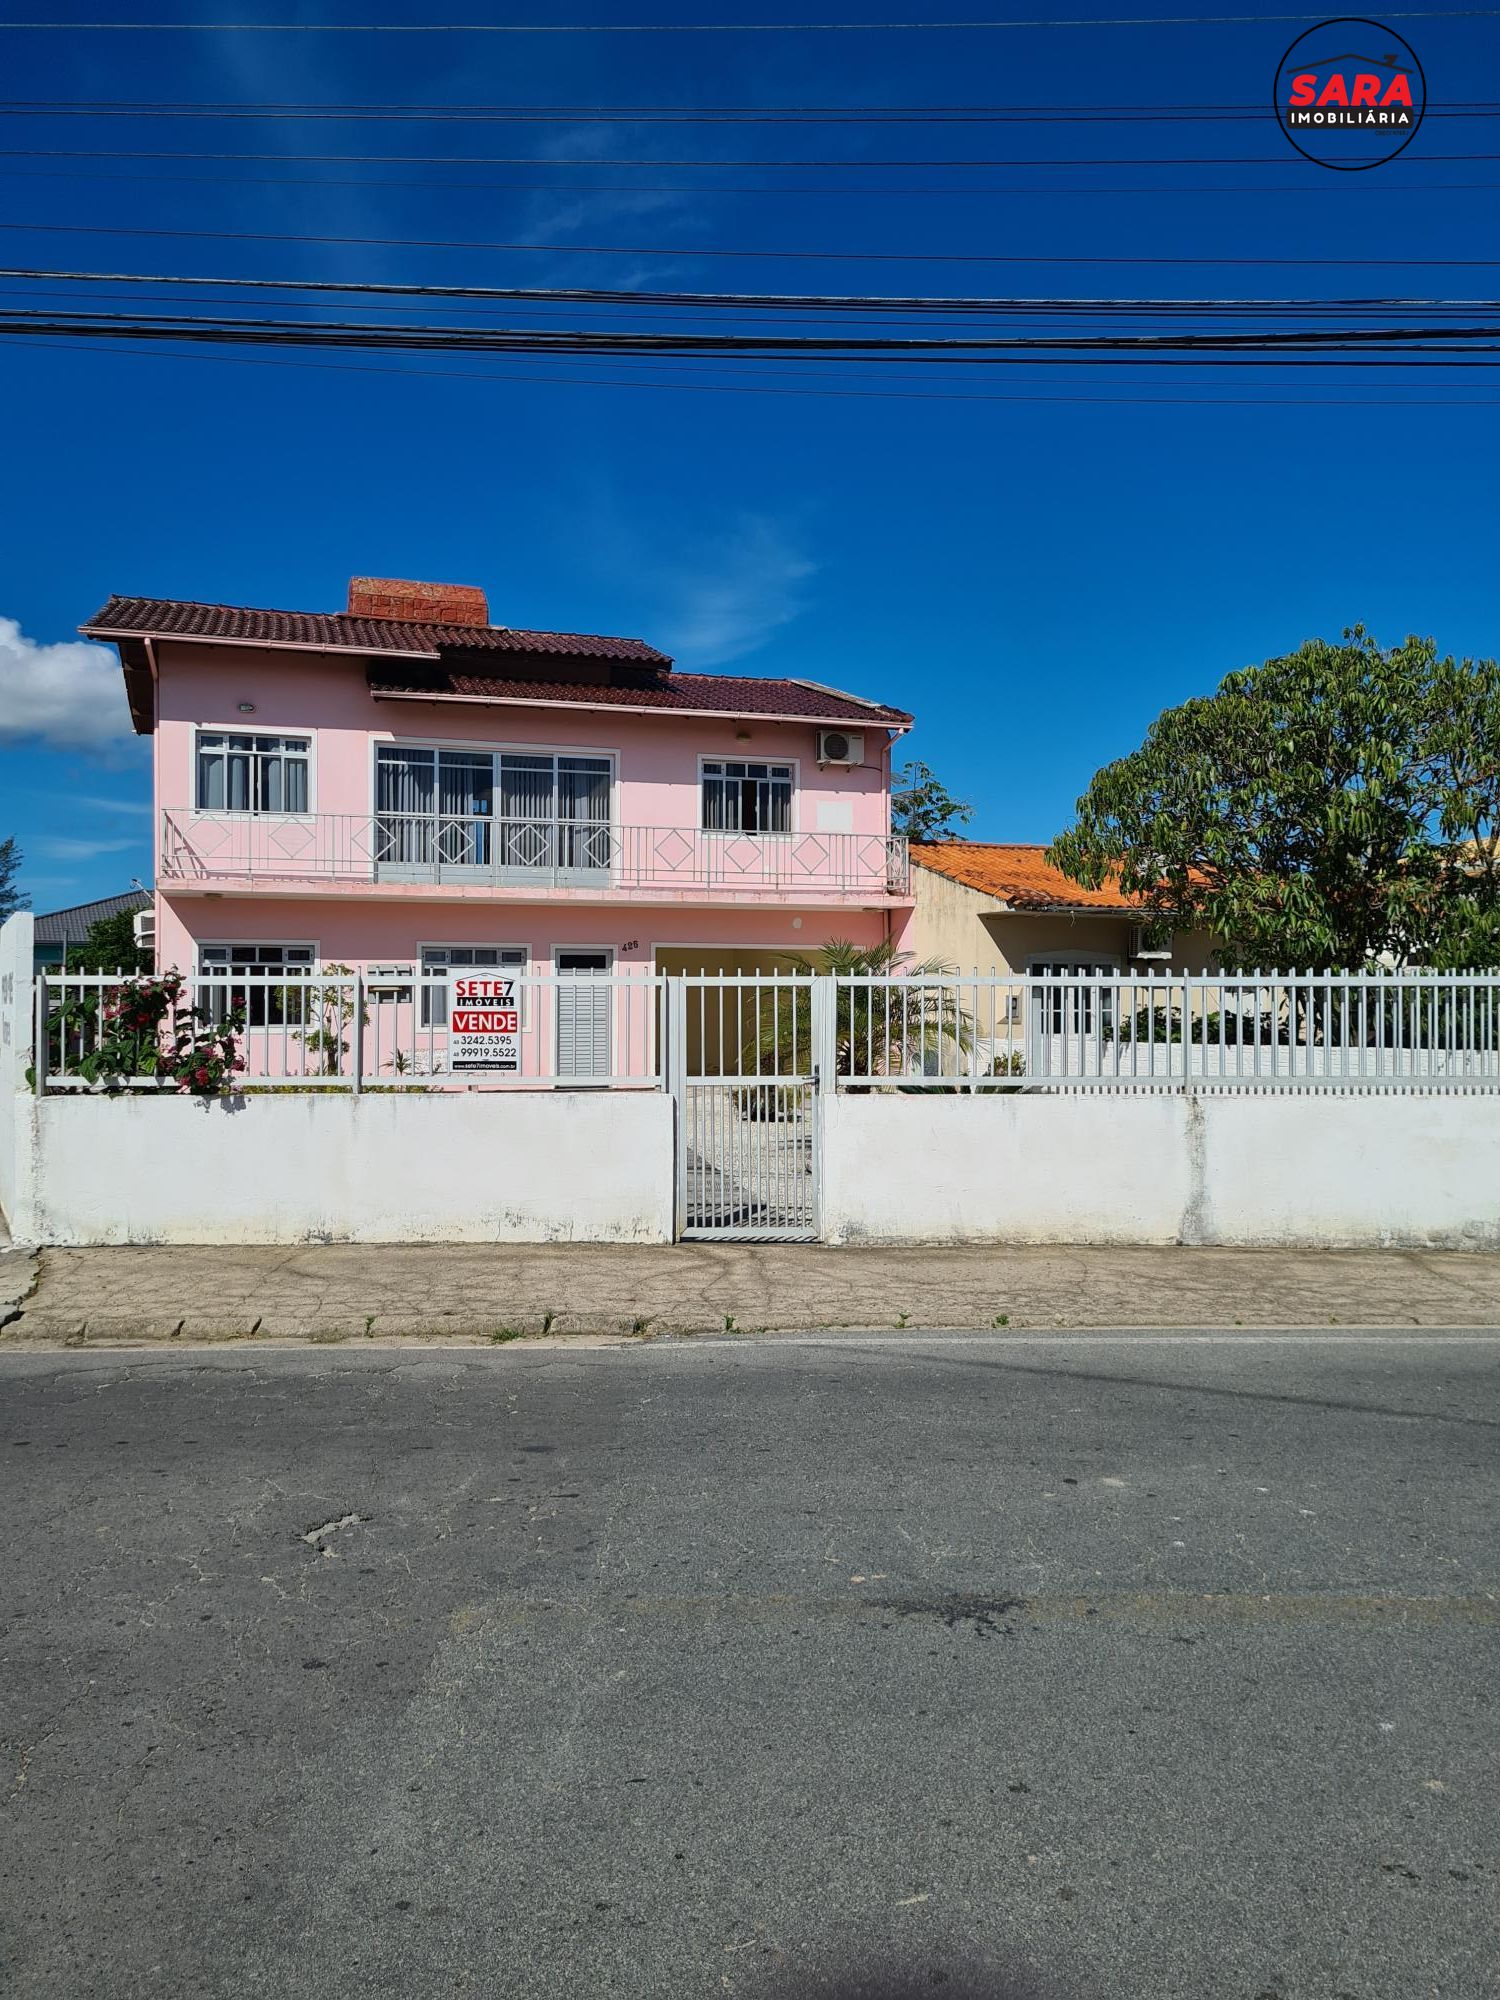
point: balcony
(397, 854)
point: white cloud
(70, 847)
(71, 695)
(735, 594)
(582, 206)
(132, 806)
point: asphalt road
(1051, 1668)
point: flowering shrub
(145, 1030)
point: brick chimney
(418, 603)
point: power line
(679, 251)
(599, 164)
(879, 302)
(1301, 345)
(643, 114)
(702, 27)
(712, 366)
(1302, 190)
(726, 389)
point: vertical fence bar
(42, 1033)
(357, 1036)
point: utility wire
(601, 164)
(880, 302)
(1301, 345)
(777, 368)
(678, 252)
(956, 114)
(702, 27)
(1147, 115)
(729, 389)
(1300, 189)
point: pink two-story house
(405, 785)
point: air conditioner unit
(1142, 947)
(841, 746)
(143, 923)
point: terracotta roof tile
(686, 694)
(176, 619)
(448, 660)
(1016, 874)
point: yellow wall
(969, 930)
(966, 928)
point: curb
(20, 1271)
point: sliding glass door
(555, 813)
(433, 808)
(436, 817)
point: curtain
(283, 782)
(466, 797)
(403, 791)
(583, 809)
(252, 774)
(715, 801)
(526, 787)
(747, 798)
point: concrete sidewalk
(481, 1292)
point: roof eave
(114, 635)
(625, 708)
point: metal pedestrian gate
(745, 1080)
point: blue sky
(1035, 578)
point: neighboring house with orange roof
(1001, 905)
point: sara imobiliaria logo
(1350, 94)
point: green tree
(327, 1015)
(1332, 805)
(923, 808)
(11, 898)
(110, 946)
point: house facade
(405, 786)
(1001, 906)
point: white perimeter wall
(1401, 1169)
(544, 1167)
(16, 935)
(1291, 1169)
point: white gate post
(825, 1040)
(674, 1075)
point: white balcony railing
(482, 851)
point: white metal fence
(338, 1030)
(1170, 1031)
(354, 1031)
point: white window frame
(792, 764)
(461, 944)
(495, 751)
(1062, 963)
(259, 944)
(202, 729)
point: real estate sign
(484, 1025)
